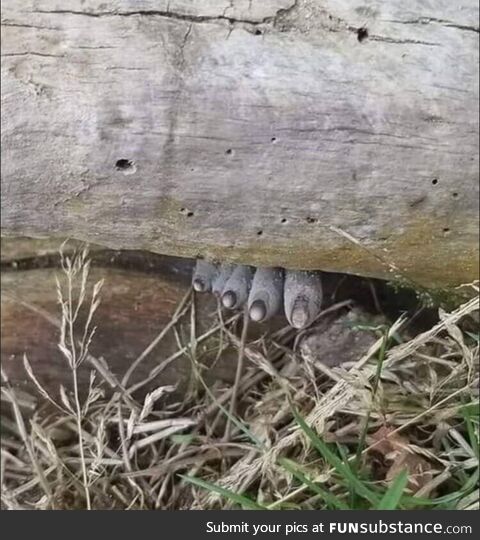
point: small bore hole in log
(127, 166)
(311, 220)
(362, 34)
(446, 230)
(284, 220)
(258, 32)
(229, 152)
(435, 181)
(273, 139)
(454, 194)
(186, 212)
(259, 233)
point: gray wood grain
(338, 135)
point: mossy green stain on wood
(407, 257)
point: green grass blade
(446, 501)
(329, 498)
(467, 416)
(471, 409)
(376, 381)
(475, 337)
(342, 469)
(394, 493)
(243, 501)
(363, 435)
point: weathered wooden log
(337, 135)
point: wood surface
(339, 135)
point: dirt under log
(135, 308)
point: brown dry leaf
(396, 450)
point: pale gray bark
(336, 134)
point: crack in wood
(271, 19)
(386, 39)
(443, 22)
(32, 53)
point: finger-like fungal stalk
(204, 275)
(266, 294)
(237, 287)
(302, 297)
(225, 271)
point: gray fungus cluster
(264, 290)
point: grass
(398, 429)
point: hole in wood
(273, 139)
(435, 181)
(229, 152)
(454, 194)
(186, 212)
(362, 34)
(311, 220)
(259, 233)
(127, 166)
(284, 220)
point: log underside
(336, 135)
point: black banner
(215, 525)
